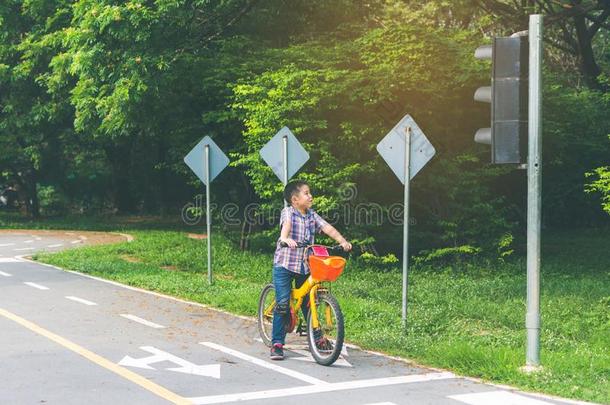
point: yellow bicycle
(325, 329)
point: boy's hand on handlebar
(290, 242)
(346, 246)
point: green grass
(469, 319)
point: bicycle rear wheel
(327, 348)
(266, 305)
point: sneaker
(324, 345)
(277, 352)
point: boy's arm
(286, 228)
(333, 233)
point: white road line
(9, 260)
(265, 364)
(319, 388)
(37, 238)
(56, 245)
(76, 241)
(6, 244)
(383, 403)
(142, 321)
(81, 300)
(20, 249)
(29, 241)
(496, 398)
(40, 287)
(5, 274)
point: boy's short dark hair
(292, 188)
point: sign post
(405, 239)
(285, 162)
(534, 179)
(406, 150)
(207, 160)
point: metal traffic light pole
(534, 201)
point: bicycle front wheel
(266, 305)
(326, 342)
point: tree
(573, 27)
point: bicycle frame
(310, 286)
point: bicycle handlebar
(305, 245)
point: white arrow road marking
(316, 389)
(9, 260)
(309, 358)
(265, 364)
(5, 274)
(142, 321)
(81, 300)
(40, 287)
(56, 245)
(496, 398)
(158, 356)
(6, 244)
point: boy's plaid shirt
(303, 230)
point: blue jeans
(282, 281)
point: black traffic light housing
(508, 96)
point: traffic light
(508, 96)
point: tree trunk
(119, 157)
(28, 193)
(588, 65)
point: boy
(299, 224)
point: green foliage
(386, 262)
(575, 140)
(601, 184)
(101, 99)
(448, 255)
(52, 202)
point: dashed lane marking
(74, 242)
(382, 403)
(265, 364)
(21, 249)
(56, 245)
(319, 388)
(99, 360)
(142, 321)
(81, 300)
(40, 287)
(29, 241)
(5, 274)
(6, 244)
(9, 260)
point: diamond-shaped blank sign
(195, 159)
(392, 148)
(273, 154)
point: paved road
(72, 339)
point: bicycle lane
(203, 354)
(149, 335)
